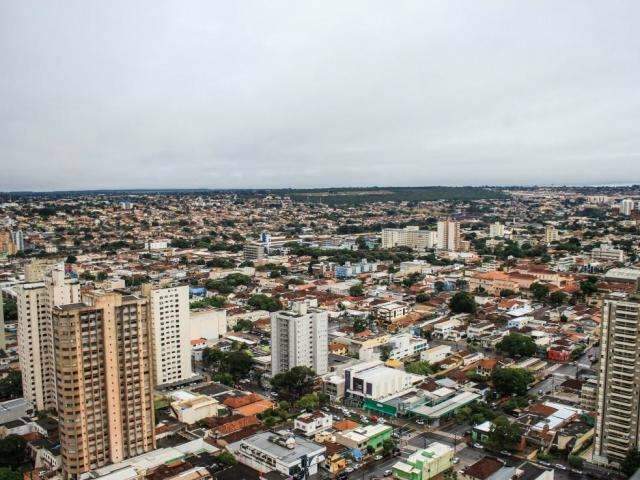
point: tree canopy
(511, 380)
(295, 383)
(463, 302)
(517, 345)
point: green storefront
(380, 408)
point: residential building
(170, 332)
(299, 337)
(626, 206)
(362, 438)
(425, 463)
(550, 234)
(606, 252)
(311, 423)
(104, 380)
(389, 311)
(190, 408)
(618, 427)
(410, 236)
(284, 452)
(449, 235)
(436, 354)
(35, 301)
(208, 323)
(496, 230)
(254, 251)
(18, 239)
(3, 338)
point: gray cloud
(317, 93)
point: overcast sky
(231, 94)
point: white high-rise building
(626, 206)
(18, 239)
(449, 235)
(496, 230)
(170, 332)
(35, 301)
(410, 236)
(618, 424)
(550, 234)
(299, 337)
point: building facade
(299, 337)
(171, 333)
(35, 301)
(618, 425)
(410, 236)
(104, 380)
(449, 235)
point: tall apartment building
(626, 206)
(410, 236)
(35, 301)
(18, 239)
(6, 243)
(618, 422)
(299, 337)
(3, 338)
(171, 333)
(550, 234)
(254, 251)
(496, 230)
(104, 380)
(449, 235)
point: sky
(303, 93)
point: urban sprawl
(470, 333)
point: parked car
(505, 452)
(477, 445)
(348, 470)
(377, 457)
(456, 460)
(560, 466)
(420, 421)
(388, 473)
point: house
(435, 354)
(365, 438)
(488, 468)
(311, 423)
(486, 366)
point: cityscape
(296, 334)
(319, 240)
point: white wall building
(410, 236)
(299, 337)
(209, 323)
(171, 332)
(312, 423)
(374, 380)
(626, 206)
(35, 301)
(496, 230)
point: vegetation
(421, 367)
(216, 301)
(10, 309)
(356, 290)
(463, 302)
(631, 463)
(236, 363)
(503, 435)
(295, 383)
(509, 381)
(539, 291)
(517, 345)
(11, 385)
(12, 451)
(264, 302)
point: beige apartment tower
(449, 235)
(104, 380)
(35, 301)
(618, 423)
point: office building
(550, 234)
(618, 424)
(374, 380)
(171, 333)
(299, 337)
(449, 235)
(411, 237)
(607, 253)
(35, 301)
(104, 380)
(626, 206)
(496, 230)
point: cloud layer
(222, 94)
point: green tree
(356, 290)
(422, 298)
(12, 451)
(11, 385)
(71, 259)
(308, 402)
(517, 345)
(10, 309)
(463, 302)
(511, 380)
(360, 324)
(385, 352)
(7, 474)
(506, 293)
(388, 446)
(226, 458)
(539, 291)
(557, 298)
(631, 462)
(589, 286)
(420, 367)
(294, 383)
(503, 435)
(264, 302)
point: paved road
(563, 371)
